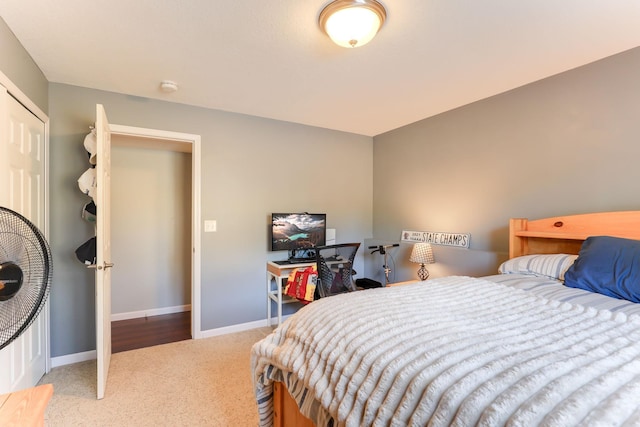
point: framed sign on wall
(460, 240)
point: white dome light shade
(352, 23)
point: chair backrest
(335, 269)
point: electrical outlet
(210, 226)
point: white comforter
(454, 351)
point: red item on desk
(301, 284)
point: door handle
(100, 267)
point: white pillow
(553, 266)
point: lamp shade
(422, 254)
(352, 23)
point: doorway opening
(149, 331)
(155, 232)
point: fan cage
(23, 244)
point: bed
(548, 341)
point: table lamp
(422, 254)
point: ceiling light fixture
(352, 23)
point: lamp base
(423, 273)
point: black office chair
(335, 269)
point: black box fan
(25, 274)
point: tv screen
(293, 231)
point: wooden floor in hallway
(149, 331)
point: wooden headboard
(565, 234)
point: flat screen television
(295, 232)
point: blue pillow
(608, 266)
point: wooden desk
(25, 408)
(279, 273)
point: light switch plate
(210, 226)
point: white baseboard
(240, 327)
(90, 355)
(69, 359)
(150, 312)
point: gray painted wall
(151, 228)
(567, 144)
(17, 65)
(250, 168)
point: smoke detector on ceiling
(168, 86)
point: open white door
(103, 248)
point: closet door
(22, 189)
(103, 248)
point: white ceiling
(270, 59)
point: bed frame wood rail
(285, 409)
(565, 234)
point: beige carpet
(203, 382)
